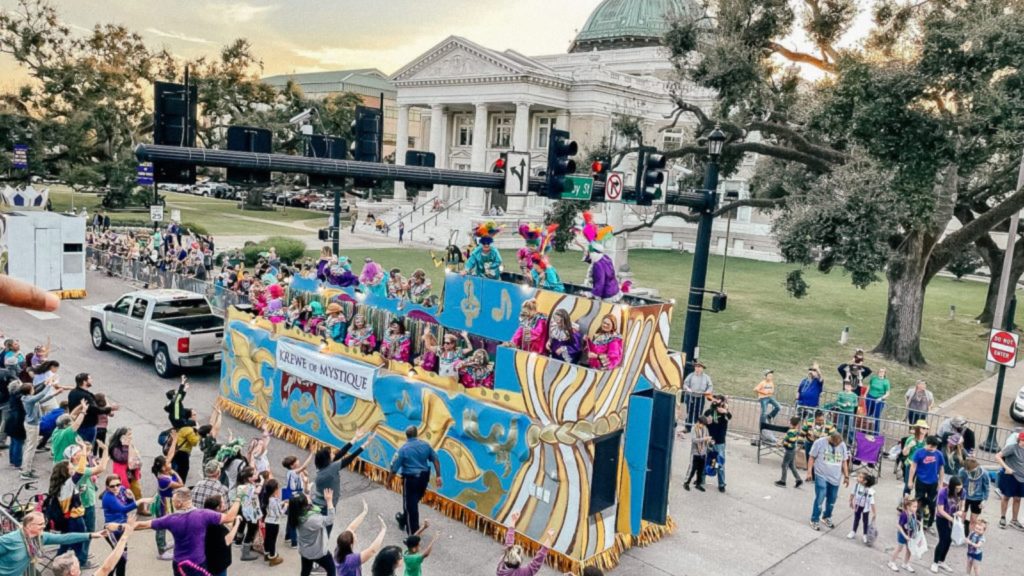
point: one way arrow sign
(517, 173)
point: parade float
(583, 451)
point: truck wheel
(162, 363)
(99, 339)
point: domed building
(620, 24)
(474, 102)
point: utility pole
(991, 443)
(1004, 281)
(699, 272)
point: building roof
(369, 81)
(618, 24)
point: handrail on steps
(433, 218)
(411, 212)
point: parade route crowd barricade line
(135, 270)
(746, 418)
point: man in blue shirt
(926, 470)
(413, 462)
(809, 392)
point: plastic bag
(918, 545)
(872, 534)
(958, 535)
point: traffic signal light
(650, 175)
(600, 168)
(367, 129)
(248, 139)
(417, 158)
(500, 164)
(560, 163)
(174, 124)
(331, 147)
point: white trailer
(46, 249)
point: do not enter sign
(1002, 347)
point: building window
(671, 141)
(463, 135)
(543, 132)
(501, 131)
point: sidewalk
(975, 403)
(754, 528)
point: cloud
(178, 36)
(238, 12)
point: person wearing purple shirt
(564, 341)
(188, 526)
(949, 509)
(511, 563)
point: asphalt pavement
(754, 528)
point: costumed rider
(601, 278)
(372, 279)
(542, 272)
(485, 259)
(340, 274)
(531, 234)
(275, 310)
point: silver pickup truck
(175, 327)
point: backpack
(164, 440)
(56, 521)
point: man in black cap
(413, 462)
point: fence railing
(446, 211)
(415, 208)
(151, 276)
(746, 418)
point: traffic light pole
(337, 220)
(991, 443)
(699, 271)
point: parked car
(1017, 406)
(176, 328)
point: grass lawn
(216, 216)
(764, 327)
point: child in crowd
(975, 481)
(790, 442)
(906, 529)
(295, 483)
(698, 453)
(102, 420)
(975, 541)
(862, 501)
(413, 558)
(274, 510)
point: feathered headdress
(540, 257)
(595, 236)
(486, 232)
(531, 233)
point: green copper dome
(617, 24)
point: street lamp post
(699, 272)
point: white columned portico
(520, 142)
(478, 163)
(437, 143)
(401, 147)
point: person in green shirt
(874, 401)
(66, 433)
(846, 408)
(413, 558)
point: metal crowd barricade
(746, 416)
(140, 271)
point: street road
(754, 528)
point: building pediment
(457, 58)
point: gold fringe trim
(77, 294)
(606, 560)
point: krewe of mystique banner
(334, 372)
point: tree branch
(980, 226)
(801, 57)
(799, 141)
(691, 218)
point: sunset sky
(309, 36)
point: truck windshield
(181, 309)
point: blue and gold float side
(527, 445)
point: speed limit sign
(613, 187)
